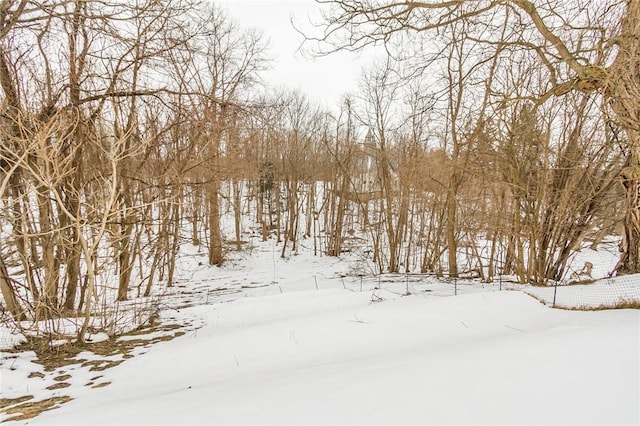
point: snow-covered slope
(335, 357)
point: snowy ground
(295, 341)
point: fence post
(455, 286)
(555, 291)
(407, 290)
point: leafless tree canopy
(574, 46)
(497, 137)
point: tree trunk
(195, 220)
(311, 201)
(175, 239)
(215, 236)
(452, 243)
(8, 293)
(622, 90)
(125, 252)
(237, 211)
(73, 272)
(50, 263)
(384, 176)
(336, 237)
(630, 258)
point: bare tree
(580, 46)
(72, 74)
(231, 59)
(381, 90)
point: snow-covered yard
(273, 341)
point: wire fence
(606, 293)
(216, 290)
(416, 284)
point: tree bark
(630, 258)
(623, 92)
(8, 293)
(215, 238)
(237, 211)
(452, 243)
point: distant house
(366, 179)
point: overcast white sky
(324, 79)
